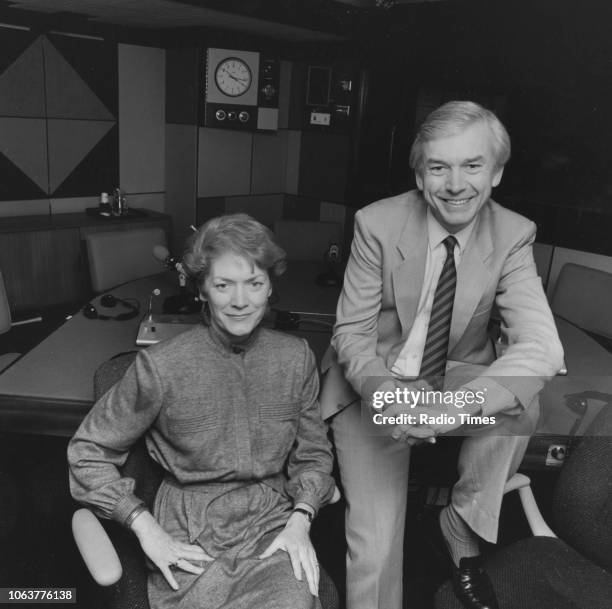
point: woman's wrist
(135, 520)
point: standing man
(425, 271)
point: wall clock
(233, 76)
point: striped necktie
(433, 363)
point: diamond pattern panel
(58, 132)
(70, 141)
(68, 95)
(24, 142)
(22, 86)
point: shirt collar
(227, 342)
(437, 233)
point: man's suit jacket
(382, 287)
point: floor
(36, 544)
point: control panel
(241, 90)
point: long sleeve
(310, 461)
(534, 352)
(102, 442)
(356, 330)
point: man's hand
(413, 434)
(295, 540)
(164, 551)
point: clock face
(233, 77)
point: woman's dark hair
(237, 234)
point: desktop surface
(50, 388)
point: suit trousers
(374, 471)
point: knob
(231, 115)
(220, 115)
(243, 117)
(558, 453)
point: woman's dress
(237, 428)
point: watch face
(233, 76)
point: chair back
(583, 295)
(119, 256)
(307, 240)
(582, 501)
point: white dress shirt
(408, 362)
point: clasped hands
(425, 419)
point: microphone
(155, 292)
(183, 303)
(331, 257)
(161, 253)
(333, 253)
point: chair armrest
(534, 517)
(96, 548)
(336, 497)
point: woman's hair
(452, 118)
(237, 234)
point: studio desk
(50, 389)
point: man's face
(457, 175)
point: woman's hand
(295, 540)
(164, 551)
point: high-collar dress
(237, 429)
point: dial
(233, 77)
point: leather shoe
(472, 585)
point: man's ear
(419, 179)
(497, 176)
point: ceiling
(288, 20)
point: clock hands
(240, 80)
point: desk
(50, 389)
(589, 368)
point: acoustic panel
(324, 159)
(58, 101)
(142, 130)
(15, 184)
(68, 95)
(32, 207)
(70, 141)
(181, 162)
(224, 162)
(95, 62)
(97, 172)
(24, 142)
(209, 207)
(301, 208)
(22, 90)
(264, 208)
(269, 162)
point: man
(425, 271)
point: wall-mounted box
(241, 90)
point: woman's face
(237, 292)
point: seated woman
(230, 411)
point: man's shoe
(472, 585)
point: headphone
(109, 301)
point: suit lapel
(473, 276)
(408, 275)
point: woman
(230, 411)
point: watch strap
(304, 511)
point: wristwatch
(305, 512)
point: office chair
(6, 359)
(127, 588)
(116, 257)
(573, 570)
(582, 296)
